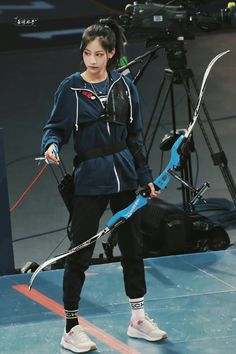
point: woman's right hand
(51, 155)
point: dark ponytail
(110, 34)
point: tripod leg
(169, 79)
(154, 108)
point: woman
(101, 108)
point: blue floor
(192, 297)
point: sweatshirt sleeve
(60, 125)
(135, 141)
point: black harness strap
(99, 152)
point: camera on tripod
(155, 22)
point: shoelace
(151, 321)
(82, 335)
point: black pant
(87, 211)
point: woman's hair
(110, 35)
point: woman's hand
(154, 193)
(51, 155)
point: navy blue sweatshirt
(78, 110)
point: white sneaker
(146, 329)
(77, 340)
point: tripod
(178, 73)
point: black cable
(39, 235)
(223, 118)
(59, 244)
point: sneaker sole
(76, 350)
(134, 334)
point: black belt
(99, 152)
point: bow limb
(203, 86)
(66, 254)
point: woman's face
(96, 57)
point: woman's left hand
(154, 193)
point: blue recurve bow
(160, 183)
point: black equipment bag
(206, 235)
(165, 229)
(169, 230)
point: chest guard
(117, 109)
